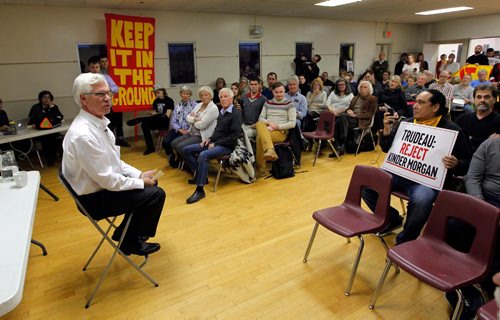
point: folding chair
(364, 132)
(350, 219)
(220, 160)
(432, 260)
(105, 237)
(324, 132)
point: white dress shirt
(91, 161)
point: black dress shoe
(118, 233)
(195, 197)
(140, 248)
(193, 181)
(133, 122)
(148, 151)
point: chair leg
(386, 249)
(317, 152)
(159, 143)
(459, 306)
(311, 240)
(111, 224)
(218, 176)
(360, 140)
(373, 141)
(380, 284)
(347, 291)
(38, 243)
(483, 293)
(333, 148)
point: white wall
(39, 52)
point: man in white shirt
(105, 185)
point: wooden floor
(237, 254)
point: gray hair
(186, 89)
(370, 87)
(208, 90)
(227, 91)
(84, 83)
(293, 78)
(482, 71)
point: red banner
(131, 47)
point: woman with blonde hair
(316, 103)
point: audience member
(299, 101)
(441, 65)
(380, 66)
(386, 79)
(311, 69)
(478, 57)
(104, 64)
(359, 114)
(338, 101)
(304, 86)
(481, 78)
(411, 66)
(430, 109)
(300, 62)
(495, 73)
(326, 80)
(202, 121)
(430, 78)
(252, 104)
(316, 103)
(483, 178)
(422, 64)
(106, 186)
(395, 98)
(398, 69)
(4, 119)
(412, 92)
(452, 66)
(410, 81)
(219, 84)
(272, 77)
(115, 118)
(178, 123)
(244, 86)
(479, 125)
(464, 91)
(158, 118)
(222, 142)
(44, 115)
(235, 88)
(277, 117)
(444, 87)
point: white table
(31, 132)
(17, 214)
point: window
(249, 53)
(85, 51)
(181, 60)
(303, 49)
(346, 58)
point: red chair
(488, 311)
(161, 134)
(431, 260)
(349, 219)
(324, 132)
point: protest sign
(131, 46)
(417, 152)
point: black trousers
(116, 123)
(146, 204)
(154, 122)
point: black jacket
(228, 129)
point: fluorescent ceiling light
(445, 10)
(334, 3)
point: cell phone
(389, 109)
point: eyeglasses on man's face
(101, 94)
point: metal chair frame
(105, 237)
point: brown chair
(350, 219)
(432, 260)
(488, 311)
(162, 133)
(324, 132)
(220, 160)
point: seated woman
(316, 103)
(358, 115)
(159, 118)
(178, 123)
(45, 115)
(277, 117)
(338, 102)
(202, 121)
(395, 98)
(235, 88)
(219, 84)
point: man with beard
(478, 57)
(480, 125)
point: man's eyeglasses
(101, 94)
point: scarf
(433, 122)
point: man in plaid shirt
(444, 87)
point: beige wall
(39, 52)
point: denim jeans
(204, 154)
(419, 206)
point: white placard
(417, 152)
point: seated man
(221, 143)
(463, 91)
(277, 117)
(157, 120)
(299, 100)
(444, 87)
(272, 77)
(105, 185)
(429, 109)
(481, 78)
(412, 92)
(479, 125)
(251, 105)
(39, 114)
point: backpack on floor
(283, 167)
